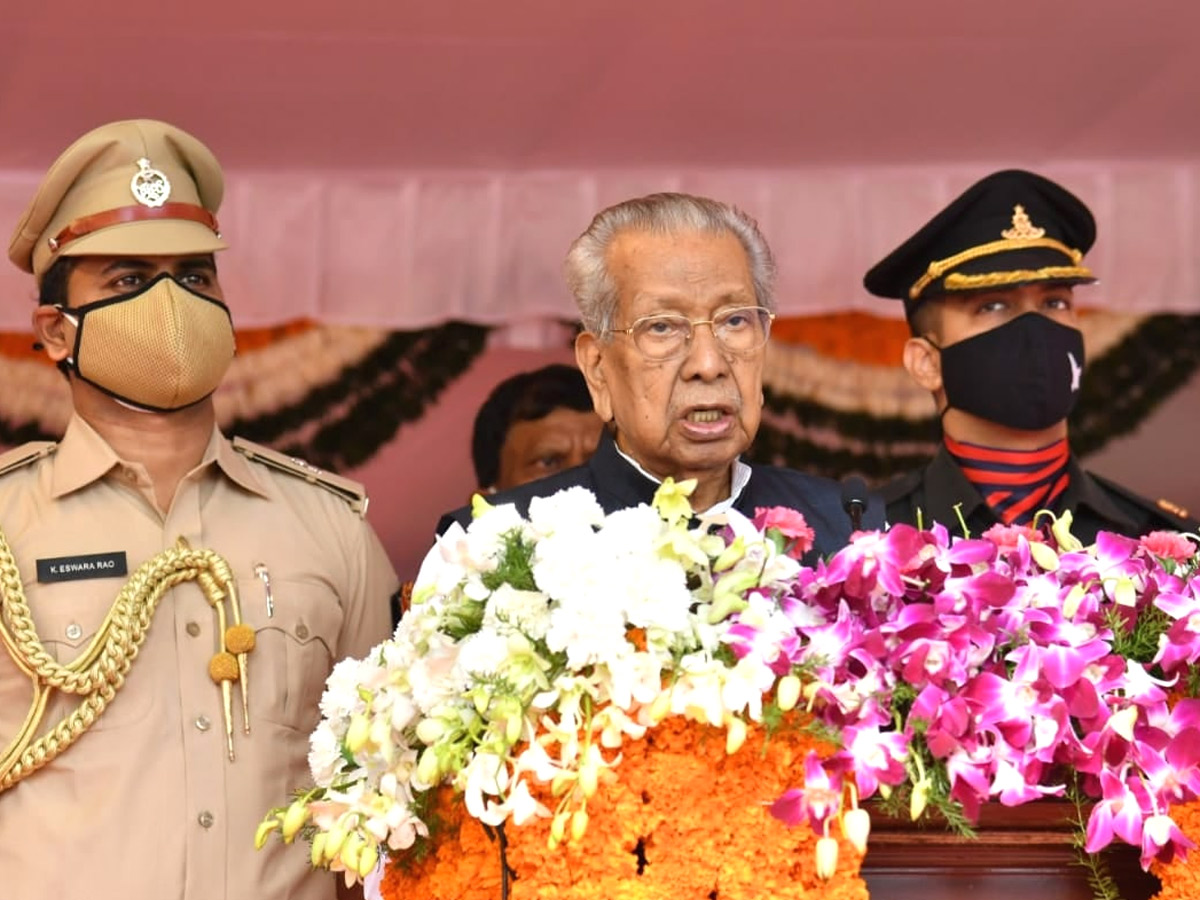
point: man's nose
(706, 358)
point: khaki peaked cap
(132, 188)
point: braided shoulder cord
(99, 671)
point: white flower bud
(558, 826)
(920, 797)
(367, 860)
(1074, 598)
(827, 857)
(1044, 556)
(334, 839)
(787, 692)
(317, 851)
(265, 827)
(512, 728)
(358, 732)
(428, 767)
(1122, 722)
(735, 735)
(293, 820)
(659, 707)
(579, 824)
(856, 826)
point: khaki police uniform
(147, 804)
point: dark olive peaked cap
(1010, 228)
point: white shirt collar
(741, 478)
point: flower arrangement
(557, 671)
(1010, 667)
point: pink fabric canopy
(397, 163)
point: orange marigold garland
(677, 818)
(1181, 878)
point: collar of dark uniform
(740, 474)
(1084, 492)
(946, 487)
(616, 482)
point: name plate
(76, 568)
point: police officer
(143, 738)
(988, 289)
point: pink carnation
(1006, 537)
(788, 522)
(1169, 545)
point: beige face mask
(161, 348)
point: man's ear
(589, 356)
(52, 330)
(924, 363)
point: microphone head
(854, 493)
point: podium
(1021, 853)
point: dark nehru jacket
(1096, 504)
(618, 485)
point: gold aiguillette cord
(98, 673)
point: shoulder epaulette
(350, 491)
(1172, 513)
(21, 456)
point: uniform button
(203, 723)
(302, 632)
(205, 819)
(74, 631)
(193, 628)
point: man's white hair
(587, 261)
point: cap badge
(150, 187)
(1022, 229)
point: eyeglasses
(739, 331)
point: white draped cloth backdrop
(409, 249)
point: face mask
(1024, 374)
(161, 348)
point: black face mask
(1023, 374)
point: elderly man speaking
(674, 292)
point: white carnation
(525, 611)
(340, 697)
(631, 530)
(569, 510)
(482, 546)
(588, 633)
(324, 754)
(482, 653)
(653, 593)
(569, 566)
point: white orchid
(534, 649)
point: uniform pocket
(294, 648)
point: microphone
(855, 499)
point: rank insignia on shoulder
(1173, 508)
(25, 454)
(349, 490)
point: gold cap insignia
(149, 186)
(1022, 228)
